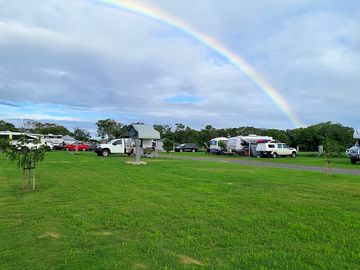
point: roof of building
(68, 138)
(146, 132)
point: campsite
(91, 212)
(174, 134)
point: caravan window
(271, 145)
(4, 136)
(213, 142)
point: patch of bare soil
(188, 260)
(50, 235)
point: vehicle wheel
(293, 155)
(67, 149)
(274, 155)
(105, 153)
(193, 150)
(353, 161)
(84, 149)
(181, 150)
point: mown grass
(99, 213)
(305, 159)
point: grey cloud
(89, 57)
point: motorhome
(215, 145)
(239, 144)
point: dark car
(186, 147)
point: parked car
(275, 149)
(354, 151)
(80, 147)
(116, 146)
(186, 147)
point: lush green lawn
(91, 212)
(301, 159)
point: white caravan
(240, 143)
(215, 147)
(31, 141)
(56, 140)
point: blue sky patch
(183, 99)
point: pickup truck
(275, 149)
(116, 146)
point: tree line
(307, 139)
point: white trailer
(31, 141)
(239, 144)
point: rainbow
(162, 17)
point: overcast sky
(77, 61)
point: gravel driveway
(272, 165)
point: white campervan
(215, 147)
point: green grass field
(301, 159)
(91, 212)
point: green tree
(81, 134)
(108, 128)
(44, 128)
(5, 126)
(168, 145)
(26, 159)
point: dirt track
(272, 165)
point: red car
(80, 146)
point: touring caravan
(239, 144)
(56, 140)
(215, 148)
(31, 140)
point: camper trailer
(215, 147)
(240, 144)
